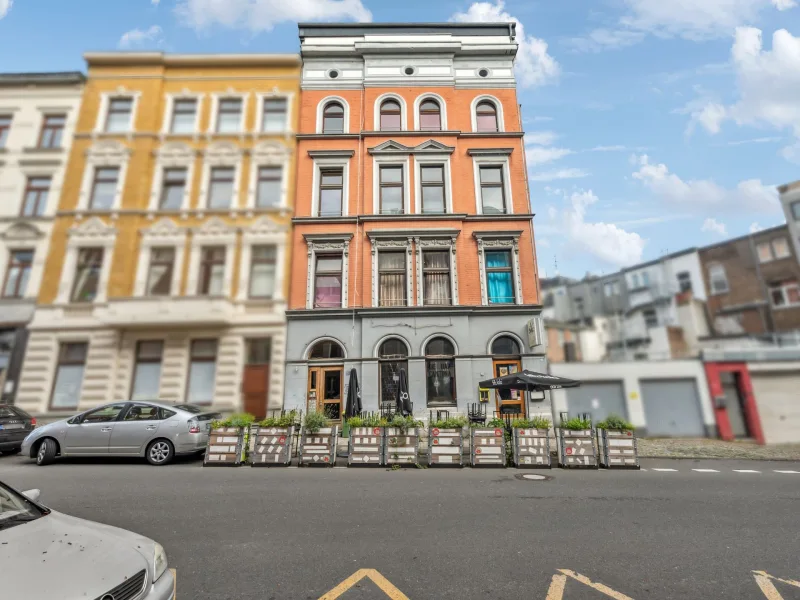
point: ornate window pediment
(22, 232)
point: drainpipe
(530, 208)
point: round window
(483, 72)
(409, 70)
(333, 73)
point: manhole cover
(532, 477)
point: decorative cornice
(490, 151)
(315, 238)
(331, 153)
(497, 234)
(430, 146)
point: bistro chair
(388, 409)
(476, 413)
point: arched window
(333, 118)
(486, 116)
(430, 115)
(506, 346)
(440, 372)
(326, 350)
(392, 357)
(390, 115)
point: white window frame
(390, 160)
(326, 244)
(214, 232)
(393, 242)
(214, 116)
(442, 106)
(768, 247)
(492, 161)
(421, 160)
(221, 154)
(92, 233)
(784, 288)
(322, 163)
(785, 242)
(173, 155)
(104, 154)
(436, 242)
(269, 154)
(163, 234)
(321, 107)
(287, 125)
(53, 193)
(166, 125)
(263, 232)
(105, 102)
(499, 240)
(474, 115)
(718, 268)
(403, 111)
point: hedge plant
(449, 423)
(534, 423)
(314, 421)
(576, 424)
(285, 420)
(241, 420)
(615, 423)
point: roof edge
(178, 60)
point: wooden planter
(487, 447)
(444, 447)
(270, 446)
(224, 447)
(618, 449)
(318, 448)
(366, 446)
(531, 448)
(577, 448)
(401, 448)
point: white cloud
(601, 39)
(558, 174)
(755, 227)
(541, 138)
(5, 6)
(784, 4)
(710, 116)
(539, 155)
(714, 226)
(155, 2)
(263, 15)
(759, 140)
(791, 153)
(534, 65)
(616, 148)
(152, 36)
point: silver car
(46, 555)
(157, 431)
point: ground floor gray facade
(422, 342)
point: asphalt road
(242, 533)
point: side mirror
(75, 420)
(32, 495)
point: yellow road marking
(174, 583)
(595, 586)
(379, 580)
(763, 580)
(556, 590)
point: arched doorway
(392, 356)
(326, 379)
(506, 359)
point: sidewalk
(705, 448)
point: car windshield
(16, 509)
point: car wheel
(46, 453)
(160, 452)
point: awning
(529, 381)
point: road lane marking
(379, 580)
(589, 583)
(745, 471)
(795, 472)
(174, 583)
(664, 470)
(706, 470)
(764, 582)
(556, 589)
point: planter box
(270, 446)
(444, 447)
(487, 447)
(577, 448)
(224, 447)
(319, 448)
(618, 449)
(531, 448)
(366, 446)
(401, 448)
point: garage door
(599, 399)
(778, 404)
(672, 408)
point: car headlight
(159, 561)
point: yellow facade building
(165, 276)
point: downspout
(530, 208)
(359, 207)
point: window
(505, 346)
(608, 290)
(780, 248)
(104, 188)
(440, 370)
(645, 279)
(144, 412)
(229, 115)
(172, 189)
(37, 190)
(718, 279)
(764, 252)
(274, 117)
(184, 115)
(486, 116)
(259, 351)
(635, 281)
(87, 275)
(430, 116)
(795, 205)
(262, 271)
(202, 372)
(432, 185)
(499, 277)
(147, 370)
(391, 190)
(684, 281)
(436, 277)
(220, 189)
(333, 118)
(326, 350)
(18, 273)
(392, 358)
(784, 294)
(159, 278)
(391, 278)
(328, 282)
(105, 414)
(5, 126)
(52, 131)
(650, 318)
(118, 119)
(493, 195)
(212, 271)
(69, 375)
(270, 180)
(331, 190)
(390, 116)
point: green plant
(615, 422)
(534, 423)
(450, 423)
(576, 424)
(285, 420)
(404, 423)
(234, 420)
(496, 422)
(314, 421)
(356, 421)
(396, 467)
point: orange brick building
(413, 237)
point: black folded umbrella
(353, 405)
(529, 382)
(403, 399)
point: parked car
(15, 424)
(157, 431)
(53, 555)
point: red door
(255, 379)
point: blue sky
(653, 124)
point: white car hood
(58, 556)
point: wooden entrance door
(509, 402)
(255, 379)
(325, 386)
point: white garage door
(599, 399)
(672, 408)
(778, 399)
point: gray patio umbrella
(403, 398)
(353, 405)
(529, 381)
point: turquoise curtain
(500, 284)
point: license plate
(12, 426)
